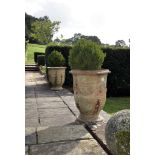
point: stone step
(31, 67)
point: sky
(107, 19)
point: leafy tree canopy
(78, 36)
(40, 30)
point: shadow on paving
(63, 140)
(44, 86)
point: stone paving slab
(48, 99)
(31, 113)
(64, 133)
(57, 120)
(99, 129)
(105, 116)
(53, 105)
(31, 106)
(46, 94)
(30, 135)
(46, 113)
(30, 100)
(29, 95)
(26, 150)
(33, 122)
(79, 147)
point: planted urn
(56, 70)
(89, 80)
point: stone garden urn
(56, 77)
(90, 93)
(56, 70)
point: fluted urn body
(90, 93)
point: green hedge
(117, 60)
(41, 60)
(36, 54)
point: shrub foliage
(56, 59)
(41, 60)
(86, 55)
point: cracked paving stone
(49, 105)
(78, 147)
(30, 135)
(57, 120)
(54, 134)
(46, 113)
(32, 122)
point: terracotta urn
(90, 93)
(56, 77)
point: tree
(78, 36)
(43, 29)
(28, 22)
(120, 43)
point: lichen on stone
(117, 133)
(123, 142)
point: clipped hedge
(36, 55)
(41, 60)
(117, 60)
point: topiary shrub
(41, 60)
(86, 55)
(56, 59)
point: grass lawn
(29, 57)
(114, 104)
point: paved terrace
(50, 122)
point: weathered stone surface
(54, 134)
(99, 128)
(117, 133)
(31, 122)
(30, 100)
(57, 120)
(29, 95)
(47, 93)
(48, 99)
(52, 105)
(31, 113)
(30, 135)
(68, 98)
(79, 147)
(56, 77)
(99, 131)
(105, 116)
(32, 106)
(26, 150)
(53, 112)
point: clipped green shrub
(86, 55)
(36, 55)
(56, 59)
(41, 60)
(118, 62)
